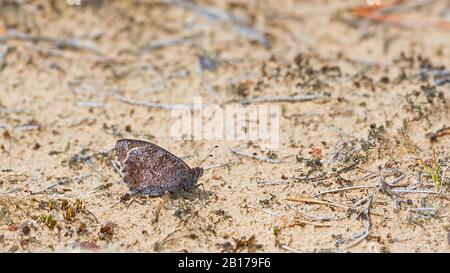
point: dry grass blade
(155, 105)
(90, 104)
(413, 191)
(317, 201)
(263, 210)
(317, 218)
(238, 25)
(264, 99)
(343, 189)
(377, 13)
(359, 237)
(165, 43)
(255, 157)
(290, 249)
(443, 177)
(3, 52)
(303, 222)
(63, 43)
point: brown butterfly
(151, 170)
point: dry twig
(359, 237)
(298, 98)
(3, 52)
(343, 189)
(259, 158)
(317, 201)
(165, 43)
(155, 105)
(62, 43)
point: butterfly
(151, 170)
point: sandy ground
(62, 109)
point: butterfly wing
(149, 169)
(123, 146)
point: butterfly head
(197, 172)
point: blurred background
(77, 75)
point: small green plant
(434, 174)
(48, 220)
(412, 148)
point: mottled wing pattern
(149, 169)
(124, 145)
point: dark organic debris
(106, 232)
(433, 137)
(207, 63)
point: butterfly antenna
(208, 156)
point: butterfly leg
(125, 197)
(204, 192)
(134, 200)
(161, 204)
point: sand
(62, 109)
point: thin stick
(64, 182)
(93, 167)
(299, 221)
(316, 218)
(99, 188)
(368, 176)
(167, 238)
(299, 98)
(367, 226)
(28, 127)
(216, 166)
(164, 200)
(422, 209)
(370, 12)
(155, 105)
(333, 155)
(394, 182)
(343, 189)
(69, 43)
(213, 14)
(375, 173)
(91, 104)
(413, 191)
(317, 201)
(251, 34)
(259, 158)
(86, 211)
(268, 182)
(444, 173)
(165, 43)
(290, 249)
(263, 210)
(3, 52)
